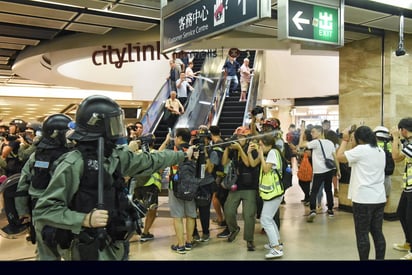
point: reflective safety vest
(407, 175)
(270, 185)
(155, 179)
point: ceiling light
(406, 4)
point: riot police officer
(86, 193)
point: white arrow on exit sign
(297, 20)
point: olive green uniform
(52, 208)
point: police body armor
(40, 171)
(122, 215)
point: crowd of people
(115, 181)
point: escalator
(152, 119)
(206, 104)
(233, 112)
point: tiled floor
(327, 238)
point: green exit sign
(310, 22)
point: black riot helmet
(55, 124)
(98, 116)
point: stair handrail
(253, 89)
(155, 111)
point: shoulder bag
(330, 163)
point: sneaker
(223, 223)
(402, 247)
(274, 253)
(178, 249)
(224, 234)
(311, 216)
(233, 235)
(205, 238)
(330, 213)
(269, 247)
(196, 237)
(11, 232)
(407, 256)
(146, 237)
(189, 246)
(250, 246)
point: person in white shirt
(321, 173)
(182, 86)
(366, 188)
(245, 73)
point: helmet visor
(115, 126)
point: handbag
(305, 171)
(330, 163)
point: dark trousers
(305, 186)
(326, 178)
(404, 212)
(369, 218)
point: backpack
(286, 175)
(305, 171)
(390, 163)
(185, 185)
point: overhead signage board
(312, 22)
(207, 18)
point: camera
(352, 129)
(145, 141)
(229, 141)
(257, 110)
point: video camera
(199, 139)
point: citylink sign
(206, 18)
(311, 22)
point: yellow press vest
(407, 175)
(270, 185)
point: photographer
(202, 142)
(10, 148)
(147, 188)
(245, 189)
(384, 142)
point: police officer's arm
(23, 202)
(147, 163)
(396, 153)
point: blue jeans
(233, 78)
(266, 220)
